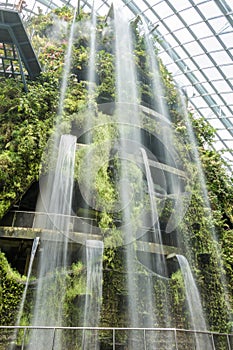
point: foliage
(227, 254)
(92, 171)
(25, 125)
(11, 290)
(105, 72)
(26, 122)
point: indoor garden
(116, 212)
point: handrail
(120, 329)
(143, 331)
(48, 213)
(34, 215)
(74, 219)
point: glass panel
(224, 134)
(207, 87)
(191, 16)
(221, 57)
(203, 61)
(194, 48)
(201, 30)
(172, 40)
(163, 31)
(212, 73)
(166, 59)
(227, 38)
(198, 100)
(211, 44)
(102, 8)
(181, 4)
(141, 4)
(163, 10)
(190, 64)
(218, 24)
(221, 86)
(219, 145)
(229, 144)
(215, 123)
(180, 51)
(228, 71)
(185, 35)
(228, 98)
(209, 10)
(175, 23)
(216, 101)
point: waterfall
(94, 259)
(55, 202)
(160, 264)
(204, 192)
(165, 135)
(136, 196)
(20, 312)
(197, 319)
(90, 117)
(92, 59)
(67, 67)
(127, 112)
(33, 252)
(155, 227)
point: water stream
(90, 116)
(159, 266)
(33, 252)
(200, 178)
(127, 112)
(56, 200)
(20, 312)
(93, 300)
(67, 67)
(197, 318)
(155, 225)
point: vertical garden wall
(26, 124)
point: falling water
(157, 87)
(126, 77)
(160, 264)
(20, 312)
(197, 319)
(127, 109)
(127, 112)
(67, 66)
(202, 182)
(166, 135)
(94, 258)
(33, 252)
(158, 100)
(55, 203)
(92, 59)
(90, 117)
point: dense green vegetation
(26, 120)
(26, 123)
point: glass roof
(195, 43)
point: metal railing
(26, 219)
(120, 338)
